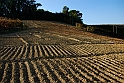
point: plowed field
(49, 52)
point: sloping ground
(60, 28)
(49, 52)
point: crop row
(34, 52)
(97, 49)
(64, 70)
(56, 51)
(60, 64)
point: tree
(72, 16)
(75, 13)
(65, 10)
(15, 7)
(75, 16)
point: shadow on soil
(14, 30)
(103, 33)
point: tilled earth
(49, 52)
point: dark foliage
(27, 10)
(109, 30)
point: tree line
(28, 10)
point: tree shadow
(13, 30)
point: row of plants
(8, 24)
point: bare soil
(51, 52)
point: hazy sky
(94, 11)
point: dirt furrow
(13, 72)
(62, 70)
(33, 72)
(88, 49)
(7, 76)
(51, 71)
(45, 51)
(82, 50)
(115, 62)
(48, 77)
(30, 55)
(36, 50)
(96, 49)
(107, 64)
(113, 48)
(117, 74)
(118, 48)
(50, 53)
(11, 54)
(107, 74)
(57, 51)
(2, 68)
(70, 50)
(30, 77)
(53, 51)
(107, 49)
(3, 78)
(87, 69)
(66, 51)
(93, 70)
(61, 52)
(85, 50)
(42, 72)
(3, 50)
(24, 73)
(16, 53)
(60, 79)
(40, 51)
(22, 52)
(7, 53)
(21, 73)
(38, 73)
(79, 52)
(33, 51)
(27, 51)
(17, 73)
(75, 73)
(82, 74)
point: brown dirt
(60, 53)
